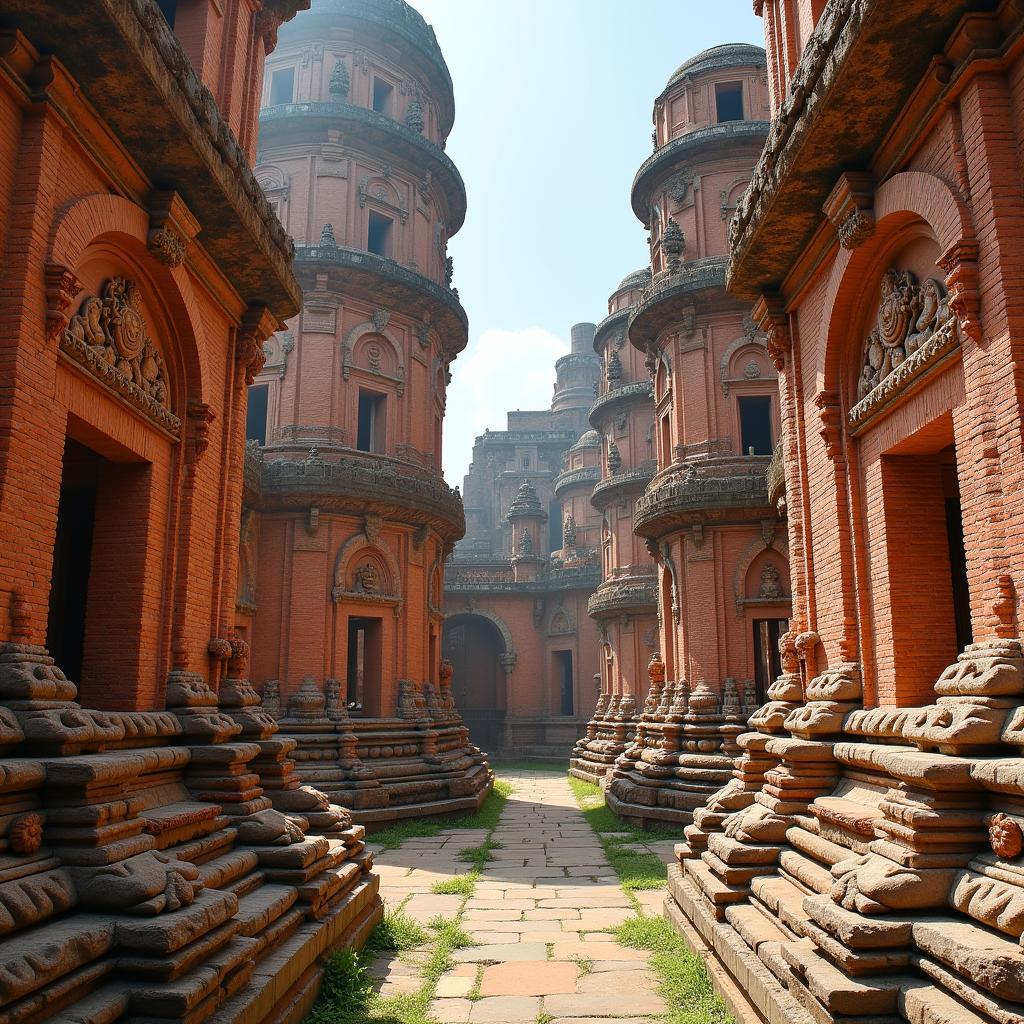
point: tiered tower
(351, 520)
(722, 558)
(625, 605)
(517, 630)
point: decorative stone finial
(327, 236)
(340, 81)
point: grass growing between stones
(394, 934)
(684, 980)
(480, 855)
(486, 817)
(636, 870)
(460, 885)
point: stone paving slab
(543, 910)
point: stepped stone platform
(419, 763)
(684, 749)
(866, 865)
(609, 732)
(165, 866)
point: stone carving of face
(367, 579)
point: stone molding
(384, 136)
(389, 284)
(640, 392)
(620, 484)
(681, 495)
(574, 477)
(619, 596)
(703, 144)
(356, 486)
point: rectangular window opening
(729, 101)
(256, 413)
(382, 96)
(563, 661)
(767, 659)
(282, 86)
(378, 234)
(364, 666)
(756, 424)
(554, 525)
(370, 428)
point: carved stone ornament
(340, 80)
(366, 579)
(109, 340)
(25, 835)
(61, 288)
(168, 247)
(915, 328)
(771, 582)
(1005, 837)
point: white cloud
(499, 372)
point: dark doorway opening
(767, 659)
(475, 647)
(756, 424)
(256, 413)
(364, 666)
(72, 557)
(282, 86)
(378, 233)
(370, 426)
(957, 553)
(729, 101)
(563, 664)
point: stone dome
(635, 280)
(589, 439)
(727, 55)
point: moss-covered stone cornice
(859, 68)
(619, 485)
(629, 595)
(575, 477)
(690, 150)
(399, 23)
(130, 66)
(291, 123)
(609, 326)
(376, 279)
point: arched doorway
(474, 645)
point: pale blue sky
(553, 117)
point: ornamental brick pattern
(717, 540)
(864, 863)
(160, 858)
(348, 519)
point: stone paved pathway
(538, 918)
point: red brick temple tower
(161, 860)
(625, 605)
(720, 548)
(871, 866)
(349, 519)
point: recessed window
(563, 667)
(383, 95)
(525, 462)
(378, 233)
(256, 414)
(729, 101)
(554, 525)
(282, 86)
(168, 8)
(756, 424)
(370, 430)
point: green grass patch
(346, 991)
(636, 869)
(684, 981)
(395, 933)
(459, 885)
(485, 818)
(480, 855)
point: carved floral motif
(1005, 836)
(108, 338)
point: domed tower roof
(589, 439)
(635, 280)
(526, 504)
(727, 55)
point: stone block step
(998, 1010)
(733, 852)
(262, 908)
(838, 993)
(858, 931)
(754, 928)
(990, 960)
(806, 871)
(104, 1006)
(855, 962)
(718, 892)
(816, 847)
(922, 1003)
(167, 933)
(220, 872)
